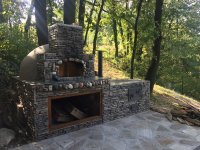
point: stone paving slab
(144, 131)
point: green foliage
(179, 66)
(14, 46)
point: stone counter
(125, 97)
(120, 98)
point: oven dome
(28, 67)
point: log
(63, 118)
(193, 121)
(181, 120)
(74, 111)
(60, 115)
(178, 112)
(184, 114)
(161, 110)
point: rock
(60, 86)
(1, 121)
(59, 62)
(89, 84)
(81, 85)
(197, 148)
(50, 87)
(93, 83)
(65, 86)
(76, 85)
(6, 136)
(181, 120)
(70, 86)
(162, 128)
(169, 116)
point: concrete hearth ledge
(143, 131)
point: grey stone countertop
(126, 81)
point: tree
(152, 70)
(114, 26)
(28, 20)
(41, 21)
(89, 22)
(128, 34)
(1, 12)
(121, 33)
(69, 11)
(97, 27)
(81, 13)
(135, 37)
(50, 12)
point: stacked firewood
(67, 113)
(183, 114)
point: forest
(155, 40)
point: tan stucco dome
(28, 67)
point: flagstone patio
(144, 131)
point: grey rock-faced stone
(197, 148)
(113, 144)
(189, 142)
(129, 133)
(177, 126)
(6, 136)
(64, 141)
(181, 135)
(149, 144)
(153, 118)
(96, 135)
(165, 140)
(191, 131)
(162, 128)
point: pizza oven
(59, 93)
(60, 90)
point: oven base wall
(115, 98)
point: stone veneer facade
(117, 103)
(120, 98)
(65, 45)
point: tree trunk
(50, 13)
(152, 71)
(122, 34)
(114, 26)
(128, 32)
(1, 11)
(41, 21)
(128, 40)
(89, 22)
(69, 11)
(81, 13)
(97, 27)
(139, 6)
(115, 37)
(139, 54)
(28, 20)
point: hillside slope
(161, 96)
